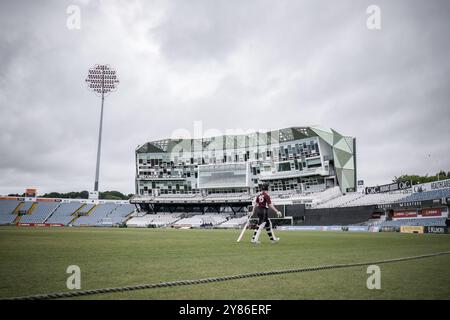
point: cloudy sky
(229, 64)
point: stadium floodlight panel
(102, 79)
(295, 158)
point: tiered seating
(94, 218)
(86, 209)
(157, 220)
(311, 200)
(25, 207)
(141, 222)
(369, 223)
(341, 201)
(325, 196)
(194, 221)
(6, 211)
(118, 215)
(233, 223)
(426, 222)
(162, 220)
(213, 219)
(201, 220)
(358, 199)
(40, 213)
(428, 195)
(376, 198)
(63, 214)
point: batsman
(261, 206)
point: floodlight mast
(99, 146)
(102, 80)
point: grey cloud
(247, 64)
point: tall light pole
(101, 79)
(435, 161)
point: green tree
(417, 179)
(113, 195)
(107, 195)
(69, 195)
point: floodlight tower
(101, 79)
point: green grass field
(34, 261)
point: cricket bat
(243, 230)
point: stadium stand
(341, 201)
(164, 220)
(376, 198)
(25, 207)
(41, 212)
(359, 199)
(309, 159)
(371, 223)
(426, 222)
(154, 220)
(324, 196)
(85, 210)
(64, 213)
(57, 212)
(7, 208)
(117, 215)
(427, 195)
(95, 215)
(311, 200)
(233, 223)
(198, 221)
(322, 208)
(140, 222)
(332, 197)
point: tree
(69, 195)
(113, 195)
(417, 179)
(107, 195)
